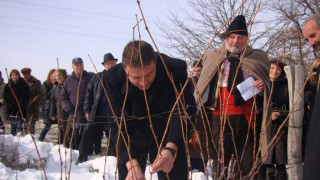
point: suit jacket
(311, 168)
(161, 98)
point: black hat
(77, 60)
(237, 26)
(108, 57)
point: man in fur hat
(36, 94)
(231, 117)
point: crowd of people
(146, 108)
(64, 98)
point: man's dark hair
(131, 53)
(195, 64)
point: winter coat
(279, 103)
(280, 97)
(254, 60)
(70, 99)
(47, 87)
(161, 98)
(2, 101)
(96, 103)
(311, 168)
(21, 90)
(36, 95)
(53, 112)
(310, 92)
(36, 92)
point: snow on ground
(20, 152)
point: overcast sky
(34, 33)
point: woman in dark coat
(280, 107)
(21, 91)
(47, 87)
(57, 114)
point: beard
(235, 48)
(316, 48)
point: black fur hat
(237, 26)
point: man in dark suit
(143, 90)
(96, 107)
(311, 169)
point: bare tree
(277, 29)
(287, 35)
(190, 35)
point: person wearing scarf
(223, 69)
(275, 166)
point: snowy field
(20, 153)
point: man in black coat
(311, 169)
(148, 88)
(96, 107)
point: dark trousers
(92, 137)
(97, 140)
(270, 172)
(76, 136)
(73, 137)
(34, 117)
(196, 163)
(179, 170)
(62, 139)
(2, 124)
(16, 126)
(88, 141)
(234, 142)
(45, 129)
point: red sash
(228, 107)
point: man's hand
(259, 84)
(165, 160)
(134, 171)
(275, 115)
(53, 118)
(87, 116)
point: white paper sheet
(247, 90)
